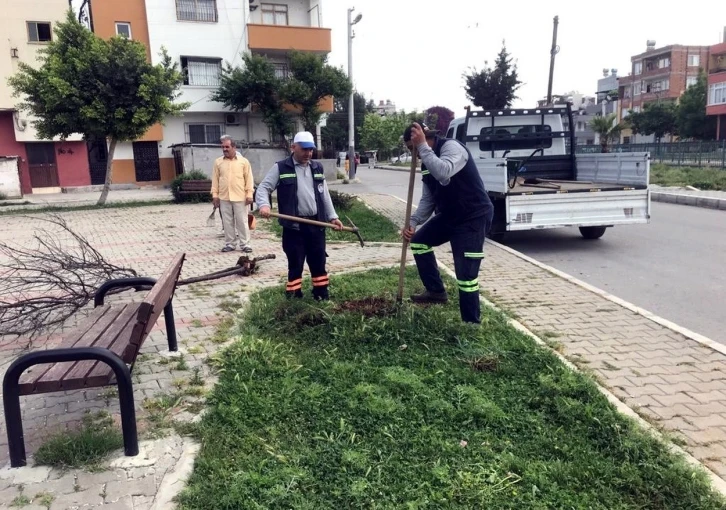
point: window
(204, 133)
(201, 72)
(636, 109)
(196, 10)
(717, 93)
(282, 71)
(460, 132)
(694, 60)
(664, 62)
(656, 87)
(691, 80)
(123, 29)
(39, 31)
(626, 140)
(637, 88)
(274, 14)
(512, 138)
(638, 68)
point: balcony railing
(196, 10)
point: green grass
(701, 178)
(373, 226)
(86, 447)
(322, 408)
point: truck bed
(568, 187)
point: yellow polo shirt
(232, 179)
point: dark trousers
(299, 245)
(467, 246)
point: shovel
(210, 220)
(404, 244)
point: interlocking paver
(669, 377)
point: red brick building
(716, 99)
(660, 74)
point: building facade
(716, 99)
(45, 166)
(202, 36)
(659, 74)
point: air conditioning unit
(231, 119)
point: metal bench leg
(13, 417)
(128, 411)
(11, 394)
(170, 327)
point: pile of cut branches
(43, 287)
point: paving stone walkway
(145, 239)
(670, 379)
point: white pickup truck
(536, 180)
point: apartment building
(716, 99)
(659, 74)
(44, 165)
(202, 36)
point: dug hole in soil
(369, 307)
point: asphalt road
(674, 267)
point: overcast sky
(414, 52)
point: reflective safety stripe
(420, 249)
(468, 286)
(425, 172)
(320, 281)
(473, 255)
(287, 176)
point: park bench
(195, 187)
(100, 351)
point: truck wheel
(592, 232)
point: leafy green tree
(494, 87)
(101, 89)
(255, 83)
(607, 129)
(691, 119)
(312, 80)
(658, 118)
(335, 133)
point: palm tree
(607, 129)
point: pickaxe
(352, 228)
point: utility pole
(554, 51)
(351, 102)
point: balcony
(283, 38)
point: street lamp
(351, 102)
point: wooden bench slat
(28, 378)
(84, 334)
(123, 346)
(115, 339)
(160, 294)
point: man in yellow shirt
(232, 190)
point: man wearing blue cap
(302, 192)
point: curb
(703, 340)
(692, 200)
(718, 483)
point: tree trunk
(109, 165)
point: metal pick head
(356, 231)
